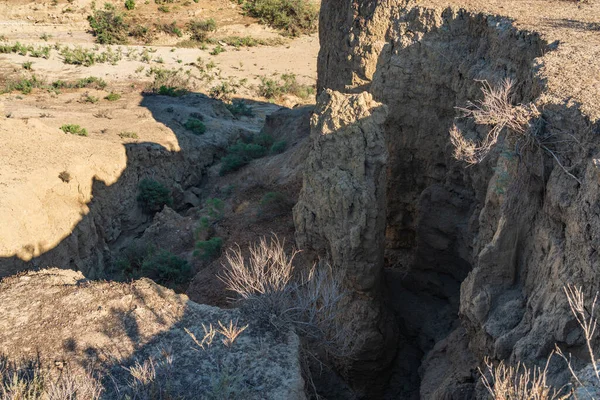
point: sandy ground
(37, 208)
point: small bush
(195, 125)
(199, 30)
(128, 135)
(130, 4)
(27, 65)
(278, 147)
(294, 17)
(230, 163)
(108, 26)
(170, 29)
(271, 89)
(217, 50)
(209, 249)
(166, 268)
(24, 85)
(91, 81)
(78, 56)
(153, 195)
(168, 82)
(113, 96)
(74, 129)
(240, 108)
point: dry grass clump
(30, 380)
(518, 383)
(311, 302)
(521, 383)
(521, 122)
(494, 110)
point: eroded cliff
(476, 257)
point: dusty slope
(67, 320)
(74, 222)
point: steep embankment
(492, 244)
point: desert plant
(278, 147)
(240, 108)
(168, 82)
(288, 84)
(521, 122)
(27, 65)
(108, 26)
(166, 268)
(209, 249)
(128, 135)
(74, 129)
(195, 126)
(293, 17)
(269, 284)
(199, 30)
(31, 380)
(112, 96)
(153, 195)
(518, 383)
(218, 49)
(130, 4)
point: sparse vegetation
(239, 108)
(168, 82)
(200, 30)
(74, 129)
(195, 126)
(128, 135)
(209, 249)
(112, 96)
(153, 195)
(311, 302)
(288, 84)
(130, 4)
(293, 17)
(497, 111)
(108, 25)
(241, 153)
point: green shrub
(143, 33)
(217, 50)
(164, 9)
(215, 207)
(24, 85)
(108, 26)
(231, 162)
(90, 99)
(170, 29)
(241, 153)
(222, 91)
(294, 17)
(27, 65)
(263, 140)
(74, 129)
(91, 81)
(78, 56)
(168, 82)
(113, 96)
(128, 135)
(166, 268)
(199, 30)
(130, 4)
(209, 249)
(240, 108)
(278, 147)
(195, 125)
(270, 88)
(153, 195)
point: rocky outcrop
(340, 214)
(495, 242)
(70, 322)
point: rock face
(495, 242)
(340, 213)
(67, 320)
